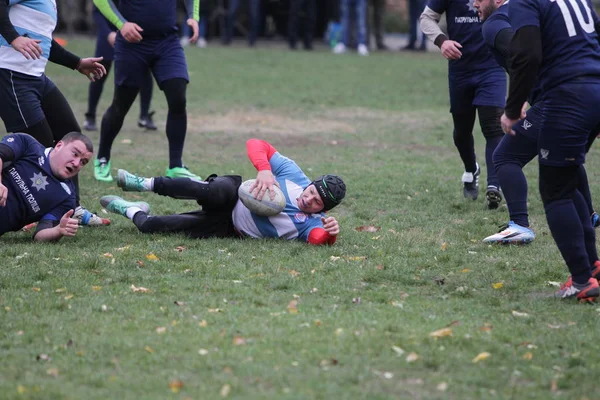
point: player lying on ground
(36, 184)
(224, 215)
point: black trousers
(217, 196)
(308, 24)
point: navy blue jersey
(34, 193)
(569, 41)
(158, 18)
(495, 23)
(464, 28)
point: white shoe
(339, 48)
(511, 234)
(88, 218)
(184, 41)
(362, 50)
(201, 43)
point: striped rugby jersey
(37, 20)
(291, 223)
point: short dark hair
(73, 136)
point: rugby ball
(265, 207)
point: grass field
(417, 309)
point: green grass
(382, 123)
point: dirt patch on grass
(266, 122)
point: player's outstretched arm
(67, 227)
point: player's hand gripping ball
(265, 207)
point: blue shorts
(164, 57)
(569, 118)
(477, 88)
(21, 99)
(103, 29)
(522, 147)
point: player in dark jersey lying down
(35, 183)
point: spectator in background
(360, 15)
(415, 8)
(253, 16)
(378, 13)
(309, 19)
(334, 27)
(105, 42)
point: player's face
(310, 201)
(67, 159)
(485, 8)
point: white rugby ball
(265, 207)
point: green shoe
(102, 170)
(181, 172)
(118, 205)
(130, 182)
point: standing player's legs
(94, 92)
(463, 118)
(490, 94)
(569, 117)
(170, 71)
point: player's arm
(29, 48)
(7, 155)
(110, 12)
(51, 230)
(502, 45)
(327, 235)
(192, 9)
(61, 56)
(259, 153)
(525, 53)
(429, 22)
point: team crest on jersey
(41, 160)
(10, 139)
(66, 187)
(300, 217)
(39, 181)
(471, 5)
(526, 124)
(544, 153)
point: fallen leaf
(334, 258)
(528, 356)
(179, 248)
(203, 352)
(21, 256)
(486, 328)
(104, 307)
(398, 350)
(519, 314)
(441, 333)
(553, 283)
(126, 141)
(481, 356)
(554, 385)
(472, 252)
(356, 300)
(151, 257)
(339, 331)
(60, 290)
(179, 303)
(202, 323)
(356, 258)
(43, 357)
(149, 349)
(21, 389)
(314, 290)
(442, 386)
(96, 288)
(36, 289)
(380, 267)
(139, 289)
(140, 263)
(238, 341)
(175, 385)
(465, 270)
(318, 322)
(293, 307)
(367, 228)
(52, 372)
(161, 329)
(107, 255)
(497, 285)
(412, 357)
(68, 297)
(293, 273)
(225, 390)
(214, 310)
(123, 248)
(444, 246)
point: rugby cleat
(102, 170)
(470, 182)
(181, 172)
(89, 124)
(146, 122)
(130, 182)
(511, 234)
(586, 292)
(493, 197)
(117, 205)
(88, 218)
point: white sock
(131, 211)
(149, 184)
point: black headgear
(332, 190)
